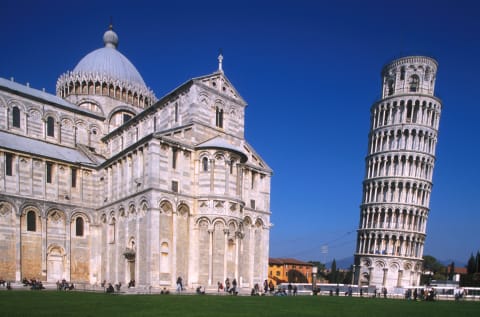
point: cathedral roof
(220, 143)
(29, 92)
(27, 145)
(110, 62)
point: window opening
(219, 117)
(16, 117)
(31, 221)
(176, 112)
(174, 158)
(8, 164)
(79, 227)
(414, 82)
(402, 73)
(50, 127)
(205, 164)
(409, 111)
(49, 172)
(74, 177)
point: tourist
(179, 284)
(199, 290)
(233, 291)
(227, 285)
(271, 287)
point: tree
(451, 270)
(333, 276)
(477, 260)
(471, 265)
(432, 269)
(431, 264)
(295, 276)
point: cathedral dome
(110, 71)
(110, 62)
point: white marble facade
(398, 180)
(105, 182)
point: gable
(219, 82)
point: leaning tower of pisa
(398, 179)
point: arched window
(390, 87)
(205, 164)
(16, 117)
(176, 112)
(219, 117)
(174, 158)
(8, 164)
(50, 126)
(31, 221)
(414, 82)
(79, 227)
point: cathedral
(104, 182)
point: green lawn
(51, 303)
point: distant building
(283, 270)
(398, 175)
(102, 181)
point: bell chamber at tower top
(409, 75)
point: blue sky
(310, 71)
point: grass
(49, 303)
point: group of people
(8, 285)
(423, 294)
(109, 288)
(233, 289)
(64, 286)
(229, 288)
(33, 283)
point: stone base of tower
(386, 271)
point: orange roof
(282, 261)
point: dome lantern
(110, 38)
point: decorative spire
(220, 60)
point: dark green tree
(477, 260)
(295, 276)
(451, 270)
(471, 265)
(333, 276)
